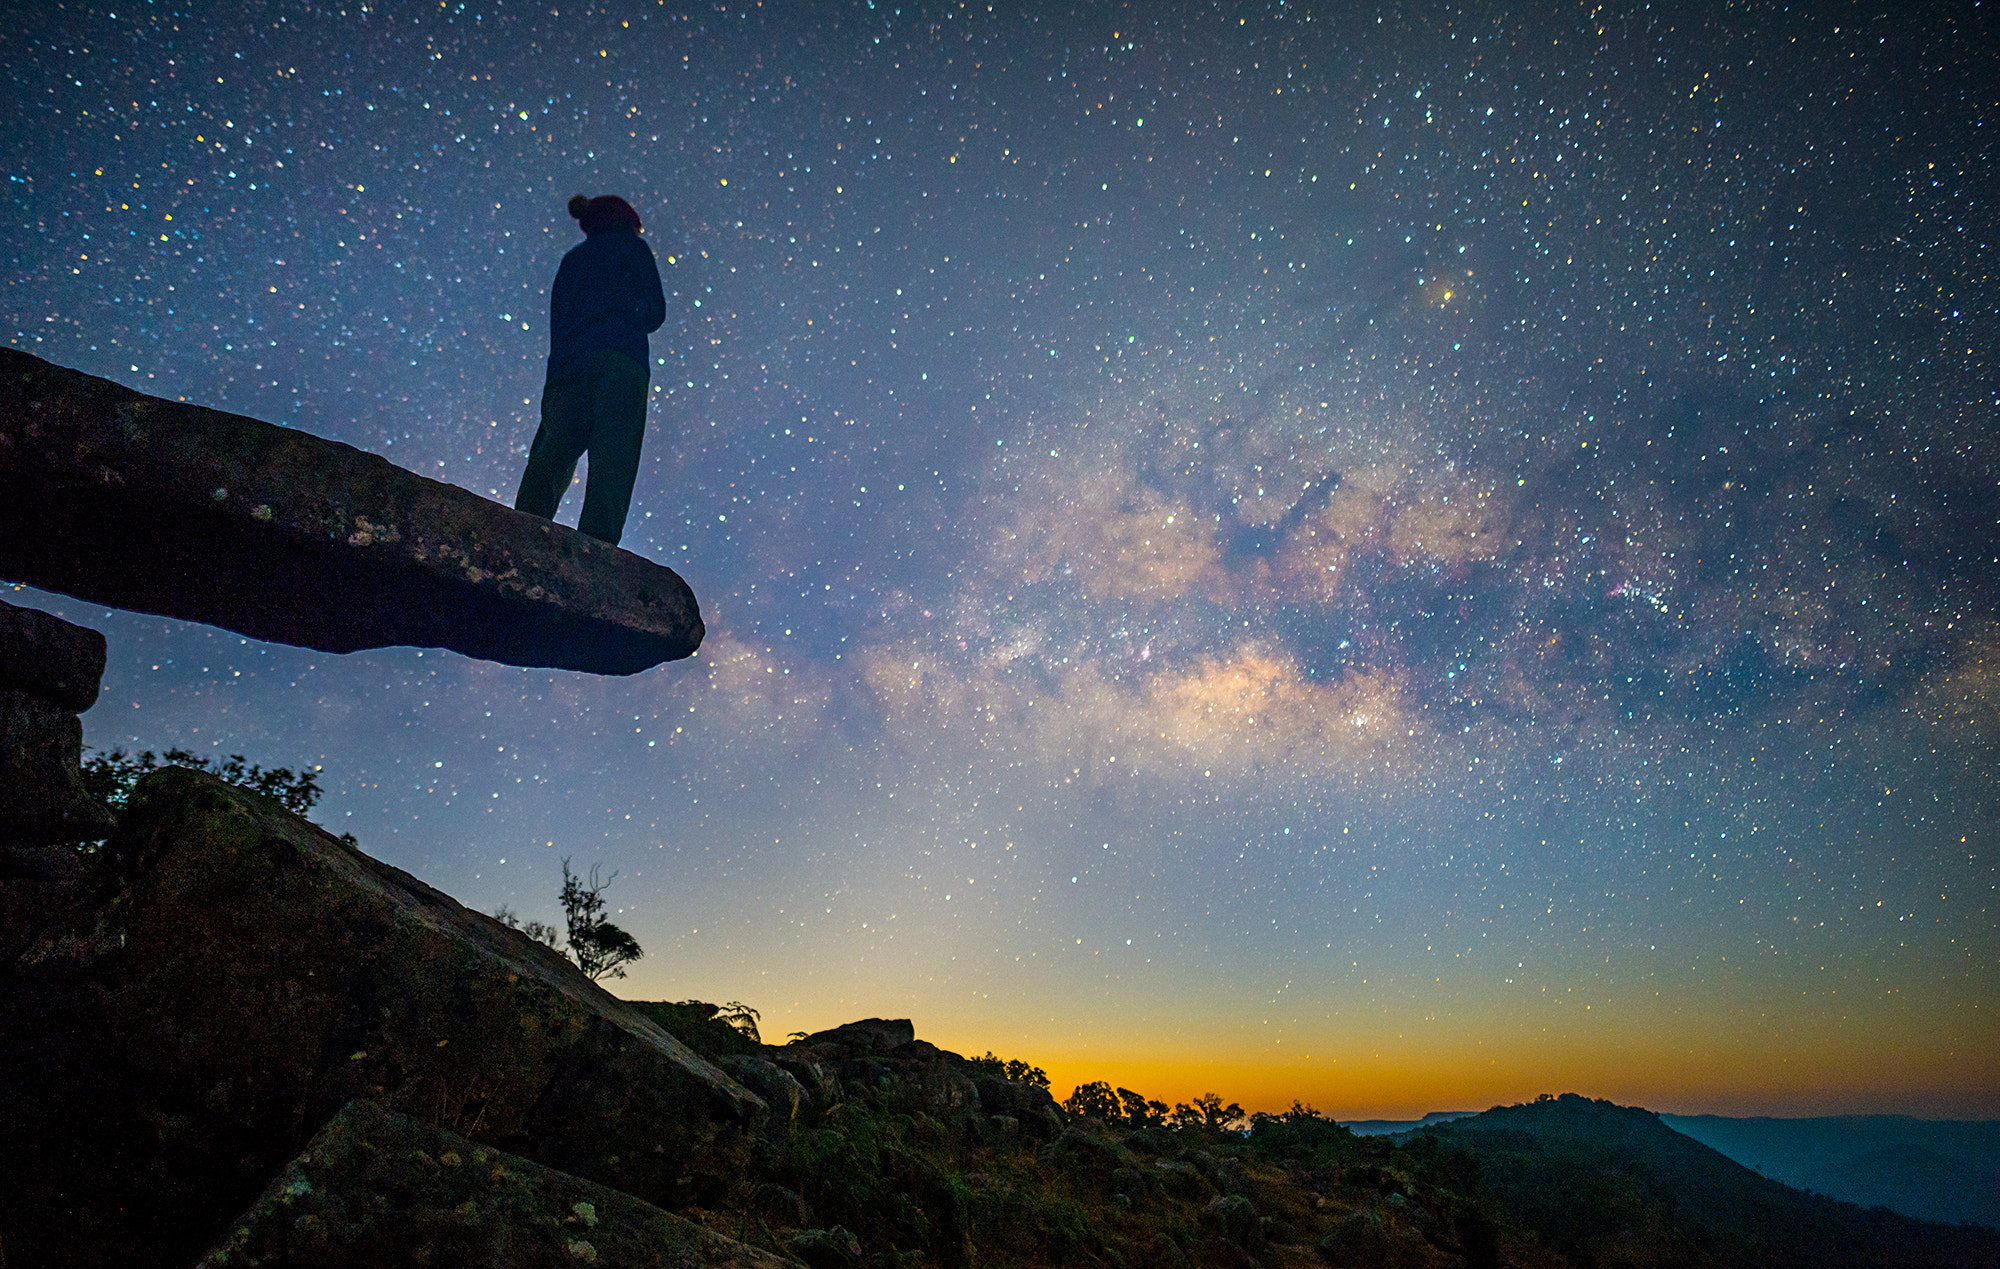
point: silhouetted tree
(1300, 1133)
(743, 1018)
(1208, 1112)
(1013, 1069)
(1139, 1112)
(1094, 1099)
(540, 931)
(599, 948)
(714, 1031)
(110, 776)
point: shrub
(990, 1065)
(599, 948)
(1094, 1099)
(109, 777)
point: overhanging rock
(133, 501)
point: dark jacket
(606, 295)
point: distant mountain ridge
(1387, 1127)
(1936, 1170)
(1604, 1184)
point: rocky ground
(228, 1037)
(193, 1006)
(231, 1038)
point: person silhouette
(605, 301)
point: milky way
(1388, 559)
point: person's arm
(652, 301)
(562, 301)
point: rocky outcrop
(138, 502)
(234, 976)
(883, 1056)
(374, 1187)
(868, 1036)
(1032, 1107)
(49, 658)
(49, 670)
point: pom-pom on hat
(606, 211)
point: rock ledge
(138, 502)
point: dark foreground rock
(374, 1187)
(49, 671)
(833, 1248)
(138, 502)
(232, 976)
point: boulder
(49, 671)
(374, 1187)
(819, 1084)
(1084, 1145)
(1227, 1174)
(1181, 1181)
(883, 1055)
(779, 1205)
(159, 506)
(49, 658)
(1239, 1223)
(42, 798)
(1032, 1106)
(238, 975)
(873, 1074)
(867, 1037)
(825, 1248)
(785, 1097)
(941, 1089)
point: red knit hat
(606, 211)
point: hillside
(224, 1028)
(1936, 1170)
(1600, 1183)
(231, 1022)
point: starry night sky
(1398, 557)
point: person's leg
(618, 429)
(559, 442)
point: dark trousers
(596, 405)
